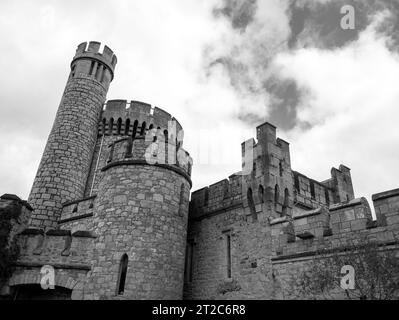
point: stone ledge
(349, 204)
(80, 217)
(55, 265)
(58, 233)
(278, 220)
(385, 194)
(308, 213)
(84, 234)
(65, 204)
(312, 253)
(32, 231)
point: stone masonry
(110, 208)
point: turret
(66, 160)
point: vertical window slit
(122, 274)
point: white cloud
(352, 107)
(160, 45)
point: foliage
(9, 251)
(376, 273)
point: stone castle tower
(109, 215)
(66, 161)
(112, 188)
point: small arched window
(122, 274)
(135, 125)
(143, 127)
(127, 127)
(261, 194)
(119, 126)
(286, 197)
(111, 126)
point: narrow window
(261, 194)
(127, 127)
(73, 70)
(286, 201)
(296, 183)
(312, 191)
(111, 126)
(280, 169)
(129, 148)
(327, 197)
(228, 254)
(143, 127)
(122, 274)
(91, 68)
(119, 126)
(188, 274)
(165, 134)
(286, 197)
(103, 74)
(135, 125)
(99, 66)
(251, 203)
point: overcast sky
(221, 68)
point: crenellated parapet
(90, 62)
(135, 118)
(217, 197)
(148, 150)
(341, 224)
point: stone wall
(142, 212)
(268, 253)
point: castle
(110, 211)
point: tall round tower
(66, 160)
(142, 187)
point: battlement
(90, 63)
(218, 196)
(128, 118)
(309, 193)
(91, 50)
(152, 149)
(343, 222)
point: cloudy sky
(222, 68)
